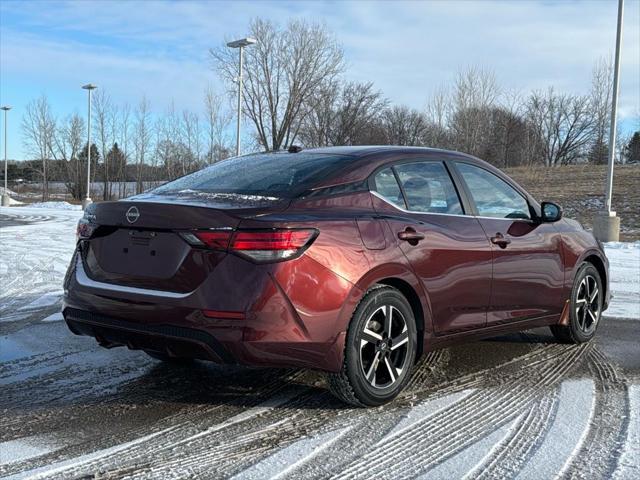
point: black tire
(352, 384)
(163, 357)
(584, 314)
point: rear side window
(428, 188)
(386, 185)
(493, 196)
(280, 175)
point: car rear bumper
(170, 339)
(273, 324)
(227, 345)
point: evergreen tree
(632, 150)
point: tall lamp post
(6, 201)
(87, 199)
(243, 42)
(606, 226)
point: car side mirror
(551, 212)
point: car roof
(368, 150)
(364, 160)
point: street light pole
(87, 199)
(240, 44)
(5, 194)
(606, 227)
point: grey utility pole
(5, 195)
(606, 227)
(240, 44)
(87, 199)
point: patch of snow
(8, 191)
(567, 433)
(282, 463)
(624, 270)
(460, 464)
(629, 463)
(56, 317)
(56, 205)
(45, 300)
(60, 467)
(424, 410)
(11, 194)
(225, 196)
(593, 203)
(253, 412)
(25, 449)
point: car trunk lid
(138, 243)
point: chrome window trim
(373, 192)
(85, 281)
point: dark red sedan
(352, 260)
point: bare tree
(439, 113)
(600, 99)
(404, 126)
(142, 140)
(123, 129)
(476, 91)
(341, 114)
(38, 128)
(103, 111)
(217, 119)
(282, 73)
(68, 141)
(191, 134)
(564, 124)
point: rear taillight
(216, 239)
(84, 230)
(258, 245)
(272, 245)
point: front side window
(493, 196)
(428, 188)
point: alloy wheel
(587, 304)
(384, 343)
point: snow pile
(8, 191)
(56, 205)
(624, 270)
(11, 194)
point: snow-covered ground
(519, 406)
(624, 265)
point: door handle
(500, 240)
(411, 236)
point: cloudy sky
(408, 49)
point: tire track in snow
(291, 458)
(458, 465)
(629, 462)
(431, 442)
(370, 428)
(427, 370)
(508, 457)
(567, 433)
(180, 424)
(275, 429)
(378, 423)
(606, 434)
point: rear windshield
(277, 175)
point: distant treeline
(295, 92)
